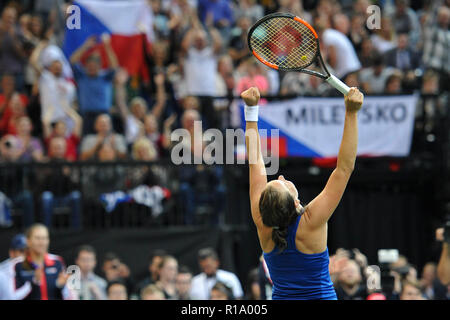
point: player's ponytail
(277, 211)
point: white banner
(315, 125)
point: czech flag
(129, 23)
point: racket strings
(284, 42)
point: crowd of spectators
(353, 277)
(86, 107)
(199, 52)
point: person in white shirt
(341, 55)
(204, 282)
(92, 287)
(373, 79)
(200, 65)
(57, 94)
(7, 273)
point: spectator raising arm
(160, 96)
(112, 58)
(121, 79)
(88, 44)
(216, 40)
(443, 268)
(78, 127)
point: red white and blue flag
(129, 23)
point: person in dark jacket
(44, 271)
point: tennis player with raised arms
(292, 237)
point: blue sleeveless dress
(299, 276)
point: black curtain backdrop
(236, 246)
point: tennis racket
(285, 42)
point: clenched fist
(251, 96)
(353, 100)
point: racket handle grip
(338, 84)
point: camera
(385, 258)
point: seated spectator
(168, 270)
(91, 143)
(410, 291)
(152, 292)
(350, 285)
(116, 271)
(221, 291)
(92, 287)
(298, 84)
(58, 188)
(183, 283)
(341, 23)
(217, 14)
(250, 9)
(428, 280)
(358, 33)
(238, 47)
(295, 7)
(13, 180)
(225, 81)
(12, 52)
(383, 39)
(59, 129)
(402, 57)
(341, 55)
(352, 79)
(117, 290)
(30, 148)
(405, 20)
(144, 150)
(435, 48)
(427, 110)
(367, 53)
(153, 268)
(9, 105)
(94, 85)
(253, 78)
(161, 24)
(16, 253)
(211, 274)
(14, 111)
(393, 84)
(149, 175)
(373, 79)
(110, 178)
(253, 287)
(151, 132)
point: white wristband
(251, 113)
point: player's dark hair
(278, 211)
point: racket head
(284, 42)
